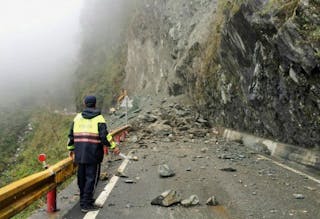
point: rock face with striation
(269, 55)
(250, 65)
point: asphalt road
(257, 189)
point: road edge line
(291, 169)
(106, 191)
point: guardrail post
(123, 136)
(117, 138)
(105, 150)
(51, 195)
(52, 201)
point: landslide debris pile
(248, 65)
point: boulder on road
(212, 201)
(165, 171)
(191, 201)
(167, 198)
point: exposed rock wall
(272, 54)
(248, 65)
(160, 36)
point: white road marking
(291, 169)
(106, 191)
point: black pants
(88, 175)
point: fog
(39, 42)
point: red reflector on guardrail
(42, 157)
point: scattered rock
(167, 198)
(261, 148)
(310, 188)
(165, 171)
(273, 211)
(212, 201)
(159, 128)
(204, 150)
(215, 131)
(298, 196)
(134, 158)
(130, 181)
(188, 169)
(191, 201)
(183, 128)
(182, 113)
(228, 169)
(167, 140)
(171, 137)
(149, 118)
(201, 120)
(137, 111)
(196, 132)
(225, 156)
(133, 139)
(121, 174)
(104, 176)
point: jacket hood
(90, 113)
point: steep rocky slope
(248, 65)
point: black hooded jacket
(85, 152)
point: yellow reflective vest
(86, 130)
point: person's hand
(71, 154)
(116, 151)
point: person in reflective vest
(88, 135)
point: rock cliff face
(161, 39)
(248, 65)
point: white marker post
(126, 99)
(127, 103)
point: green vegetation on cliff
(35, 132)
(12, 125)
(39, 132)
(48, 135)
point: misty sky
(39, 40)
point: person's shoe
(90, 208)
(95, 204)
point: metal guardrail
(20, 194)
